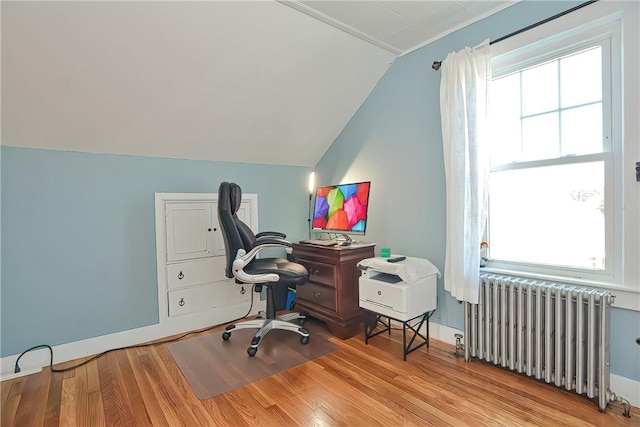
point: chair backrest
(246, 234)
(227, 208)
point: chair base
(264, 325)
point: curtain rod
(436, 64)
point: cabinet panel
(189, 230)
(189, 273)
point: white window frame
(617, 22)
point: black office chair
(241, 248)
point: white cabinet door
(189, 230)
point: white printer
(402, 290)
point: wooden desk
(331, 294)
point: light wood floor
(357, 385)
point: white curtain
(463, 106)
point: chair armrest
(243, 258)
(270, 234)
(272, 241)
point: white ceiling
(399, 26)
(255, 82)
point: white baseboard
(443, 333)
(22, 373)
(35, 360)
(626, 388)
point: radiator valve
(459, 345)
(626, 406)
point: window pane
(540, 137)
(540, 89)
(582, 130)
(581, 78)
(504, 115)
(550, 215)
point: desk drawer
(316, 294)
(320, 272)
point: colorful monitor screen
(342, 208)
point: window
(555, 199)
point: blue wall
(78, 236)
(394, 140)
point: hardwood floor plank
(348, 404)
(230, 414)
(150, 401)
(68, 401)
(93, 377)
(383, 389)
(53, 398)
(17, 385)
(5, 387)
(112, 415)
(436, 376)
(356, 385)
(271, 390)
(95, 407)
(172, 390)
(248, 408)
(35, 389)
(9, 410)
(172, 371)
(167, 408)
(83, 415)
(134, 396)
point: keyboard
(320, 242)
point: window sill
(625, 298)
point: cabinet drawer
(317, 294)
(221, 294)
(184, 301)
(196, 272)
(320, 272)
(232, 293)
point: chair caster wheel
(226, 336)
(304, 340)
(251, 351)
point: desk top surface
(337, 247)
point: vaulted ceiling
(255, 82)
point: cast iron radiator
(553, 332)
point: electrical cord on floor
(97, 356)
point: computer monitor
(342, 208)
